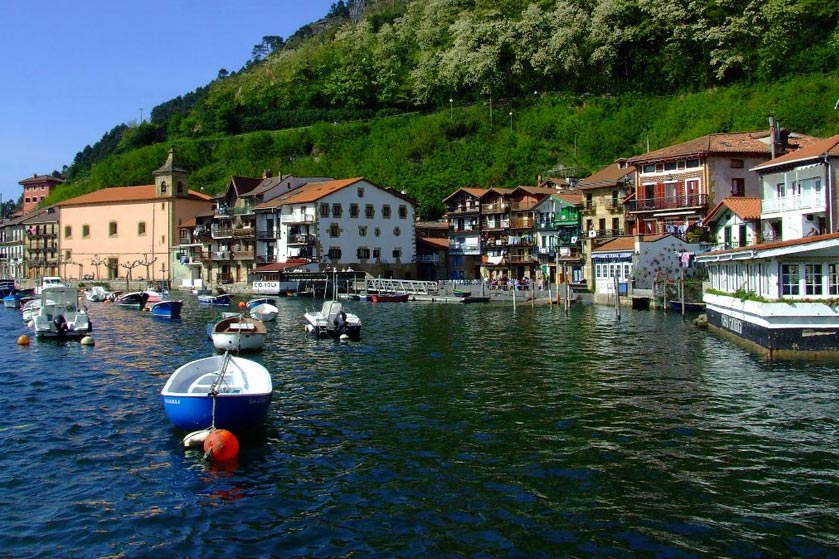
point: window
(736, 163)
(334, 230)
(85, 231)
(141, 229)
(324, 210)
(112, 229)
(743, 237)
(369, 211)
(397, 253)
(362, 230)
(377, 253)
(692, 164)
(353, 210)
(334, 253)
(336, 210)
(377, 231)
(363, 253)
(789, 279)
(403, 211)
(386, 211)
(68, 254)
(68, 231)
(163, 187)
(833, 279)
(780, 190)
(396, 231)
(813, 279)
(360, 192)
(648, 169)
(738, 187)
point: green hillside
(428, 96)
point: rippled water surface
(447, 431)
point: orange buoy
(221, 445)
(23, 340)
(241, 304)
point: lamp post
(451, 110)
(511, 122)
(141, 115)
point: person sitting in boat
(340, 321)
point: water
(448, 431)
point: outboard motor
(60, 324)
(340, 322)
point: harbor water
(449, 430)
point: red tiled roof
(476, 192)
(627, 243)
(281, 266)
(729, 142)
(747, 209)
(116, 194)
(777, 244)
(309, 192)
(810, 152)
(41, 178)
(436, 242)
(608, 176)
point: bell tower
(170, 181)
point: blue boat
(241, 388)
(219, 300)
(12, 300)
(167, 309)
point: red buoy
(221, 445)
(241, 304)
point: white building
(735, 222)
(799, 192)
(342, 223)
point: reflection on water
(447, 431)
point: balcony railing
(791, 203)
(461, 210)
(266, 259)
(304, 240)
(298, 218)
(268, 235)
(668, 203)
(495, 208)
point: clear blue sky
(72, 70)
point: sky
(73, 70)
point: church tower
(170, 181)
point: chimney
(266, 174)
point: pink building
(128, 231)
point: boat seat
(202, 385)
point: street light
(511, 121)
(141, 115)
(451, 109)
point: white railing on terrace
(792, 203)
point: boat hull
(167, 309)
(217, 300)
(780, 341)
(235, 412)
(322, 332)
(390, 297)
(238, 341)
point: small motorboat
(461, 293)
(218, 300)
(266, 312)
(60, 315)
(98, 294)
(333, 321)
(399, 297)
(12, 300)
(260, 301)
(132, 300)
(166, 309)
(29, 309)
(239, 333)
(220, 391)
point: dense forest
(431, 95)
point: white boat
(333, 321)
(265, 312)
(98, 294)
(61, 315)
(49, 281)
(30, 309)
(239, 333)
(223, 391)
